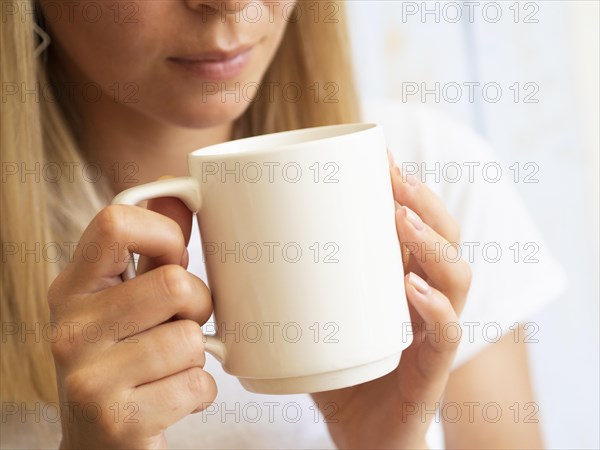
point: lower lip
(215, 70)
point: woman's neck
(132, 148)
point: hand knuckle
(176, 234)
(466, 275)
(191, 334)
(80, 387)
(176, 282)
(62, 351)
(110, 427)
(66, 347)
(55, 294)
(451, 331)
(196, 382)
(453, 230)
(110, 220)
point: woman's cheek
(122, 49)
(106, 43)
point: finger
(175, 209)
(408, 265)
(148, 300)
(436, 311)
(439, 259)
(408, 191)
(121, 313)
(105, 246)
(158, 353)
(166, 401)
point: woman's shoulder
(416, 133)
(441, 151)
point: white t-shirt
(503, 291)
(514, 276)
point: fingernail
(411, 179)
(419, 283)
(407, 178)
(414, 220)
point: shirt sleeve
(514, 273)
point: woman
(126, 90)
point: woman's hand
(395, 411)
(127, 371)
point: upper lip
(216, 54)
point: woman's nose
(224, 6)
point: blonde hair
(314, 57)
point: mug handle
(187, 190)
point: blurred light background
(551, 117)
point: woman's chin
(204, 115)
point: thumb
(175, 209)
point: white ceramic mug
(302, 256)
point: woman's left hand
(395, 411)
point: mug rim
(230, 148)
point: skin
(389, 412)
(148, 102)
(158, 366)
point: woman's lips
(215, 65)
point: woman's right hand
(126, 371)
